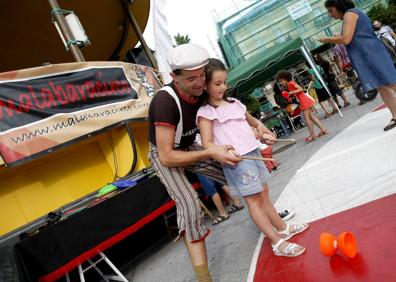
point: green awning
(258, 69)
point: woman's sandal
(235, 208)
(221, 218)
(391, 125)
(310, 138)
(323, 132)
(297, 228)
(291, 250)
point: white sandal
(298, 228)
(289, 251)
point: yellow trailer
(32, 189)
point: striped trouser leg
(189, 213)
(209, 168)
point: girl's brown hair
(212, 66)
(284, 74)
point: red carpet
(374, 226)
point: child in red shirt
(306, 103)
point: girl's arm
(348, 30)
(206, 132)
(298, 89)
(261, 128)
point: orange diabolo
(345, 242)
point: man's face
(191, 82)
(376, 25)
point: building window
(301, 29)
(280, 35)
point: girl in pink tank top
(223, 120)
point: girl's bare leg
(219, 204)
(260, 217)
(258, 206)
(235, 200)
(308, 121)
(273, 215)
(317, 122)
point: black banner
(48, 107)
(27, 101)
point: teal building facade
(266, 23)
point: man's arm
(392, 33)
(169, 157)
(387, 29)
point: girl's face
(282, 81)
(334, 13)
(217, 87)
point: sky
(197, 19)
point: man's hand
(224, 154)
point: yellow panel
(51, 182)
(86, 171)
(34, 189)
(37, 198)
(11, 215)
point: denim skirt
(248, 177)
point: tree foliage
(181, 39)
(386, 15)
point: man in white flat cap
(172, 131)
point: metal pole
(64, 27)
(311, 62)
(139, 33)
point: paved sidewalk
(232, 243)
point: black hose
(134, 162)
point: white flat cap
(188, 57)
